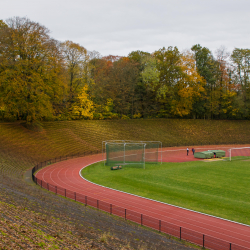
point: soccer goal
(135, 153)
(239, 153)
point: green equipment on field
(204, 155)
(210, 154)
(219, 153)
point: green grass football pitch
(219, 188)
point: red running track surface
(66, 174)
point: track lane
(66, 175)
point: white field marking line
(45, 169)
(161, 201)
(73, 181)
(53, 167)
(62, 167)
(66, 184)
(68, 180)
(91, 191)
(57, 175)
(184, 149)
(175, 219)
(241, 148)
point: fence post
(125, 214)
(141, 219)
(180, 233)
(159, 225)
(203, 241)
(110, 208)
(230, 246)
(85, 200)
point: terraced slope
(38, 220)
(21, 148)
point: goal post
(239, 153)
(131, 152)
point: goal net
(239, 153)
(131, 152)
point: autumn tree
(189, 88)
(169, 68)
(241, 66)
(207, 67)
(150, 74)
(169, 73)
(77, 63)
(83, 107)
(226, 89)
(145, 103)
(123, 78)
(115, 82)
(31, 70)
(99, 92)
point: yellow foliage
(84, 107)
(136, 116)
(189, 86)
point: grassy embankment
(21, 149)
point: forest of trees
(45, 79)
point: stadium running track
(66, 174)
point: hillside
(33, 218)
(21, 148)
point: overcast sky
(118, 27)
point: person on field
(193, 150)
(187, 150)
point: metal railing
(182, 233)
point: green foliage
(78, 68)
(43, 79)
(29, 82)
(150, 73)
(170, 71)
(241, 60)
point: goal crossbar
(131, 152)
